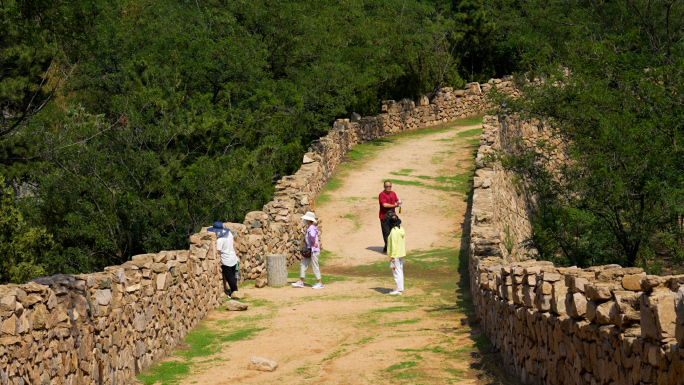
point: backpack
(390, 211)
(305, 251)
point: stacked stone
(106, 327)
(600, 325)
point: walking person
(311, 239)
(388, 202)
(229, 260)
(396, 251)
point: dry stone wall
(104, 328)
(601, 325)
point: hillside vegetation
(613, 92)
(127, 125)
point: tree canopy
(126, 125)
(612, 92)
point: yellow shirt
(396, 243)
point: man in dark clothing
(388, 200)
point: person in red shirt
(388, 200)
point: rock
(103, 297)
(262, 364)
(9, 326)
(649, 282)
(658, 315)
(260, 282)
(233, 305)
(237, 295)
(39, 316)
(576, 305)
(307, 159)
(159, 267)
(598, 293)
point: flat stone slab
(262, 364)
(233, 305)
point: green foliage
(180, 113)
(620, 65)
(19, 243)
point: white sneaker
(394, 292)
(298, 284)
(318, 286)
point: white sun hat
(309, 216)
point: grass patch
(201, 342)
(402, 366)
(459, 182)
(364, 341)
(404, 322)
(394, 309)
(333, 355)
(333, 184)
(204, 341)
(469, 133)
(325, 257)
(468, 121)
(165, 373)
(353, 218)
(323, 198)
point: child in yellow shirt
(396, 251)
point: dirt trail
(352, 332)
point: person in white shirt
(229, 260)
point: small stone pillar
(276, 268)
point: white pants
(398, 273)
(314, 261)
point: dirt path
(352, 332)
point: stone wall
(104, 328)
(601, 325)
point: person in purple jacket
(311, 239)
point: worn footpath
(352, 331)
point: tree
(613, 93)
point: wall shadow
(486, 360)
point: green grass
(404, 322)
(474, 132)
(333, 355)
(402, 365)
(353, 218)
(165, 373)
(325, 257)
(459, 183)
(323, 198)
(364, 341)
(468, 121)
(394, 309)
(202, 342)
(205, 341)
(333, 184)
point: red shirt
(384, 197)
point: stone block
(598, 292)
(576, 305)
(558, 295)
(103, 297)
(650, 282)
(658, 315)
(262, 364)
(233, 305)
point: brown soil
(352, 331)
